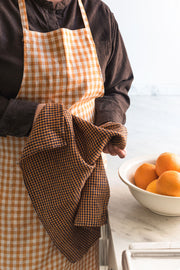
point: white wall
(151, 32)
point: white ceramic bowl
(160, 204)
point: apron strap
(24, 19)
(84, 16)
(23, 13)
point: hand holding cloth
(64, 175)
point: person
(59, 51)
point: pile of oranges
(163, 177)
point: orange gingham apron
(60, 66)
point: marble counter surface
(153, 127)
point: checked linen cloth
(64, 175)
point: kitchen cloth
(65, 177)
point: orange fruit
(167, 161)
(169, 183)
(145, 174)
(152, 186)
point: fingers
(105, 150)
(121, 153)
(114, 150)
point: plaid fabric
(59, 67)
(73, 79)
(65, 178)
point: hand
(38, 109)
(114, 150)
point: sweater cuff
(107, 110)
(18, 118)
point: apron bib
(60, 66)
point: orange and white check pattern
(65, 62)
(59, 67)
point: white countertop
(153, 127)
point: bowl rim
(129, 184)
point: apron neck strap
(83, 13)
(24, 19)
(23, 13)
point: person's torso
(43, 18)
(59, 65)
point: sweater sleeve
(113, 105)
(16, 117)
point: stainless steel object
(146, 256)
